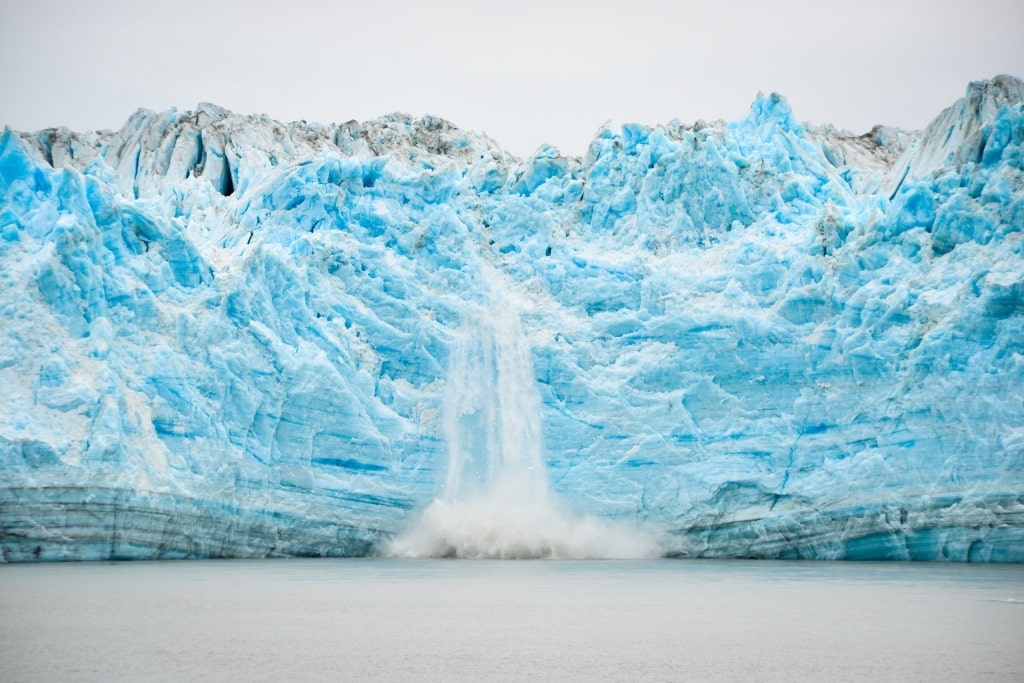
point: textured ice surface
(227, 336)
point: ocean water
(434, 620)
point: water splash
(497, 502)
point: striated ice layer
(224, 336)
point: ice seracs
(228, 336)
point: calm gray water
(423, 620)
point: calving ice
(496, 501)
(229, 337)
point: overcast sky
(525, 72)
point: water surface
(430, 620)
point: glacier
(225, 336)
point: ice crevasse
(224, 336)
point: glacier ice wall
(224, 336)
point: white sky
(525, 72)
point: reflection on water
(551, 620)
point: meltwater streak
(496, 501)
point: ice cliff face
(226, 336)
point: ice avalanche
(225, 336)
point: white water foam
(497, 502)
